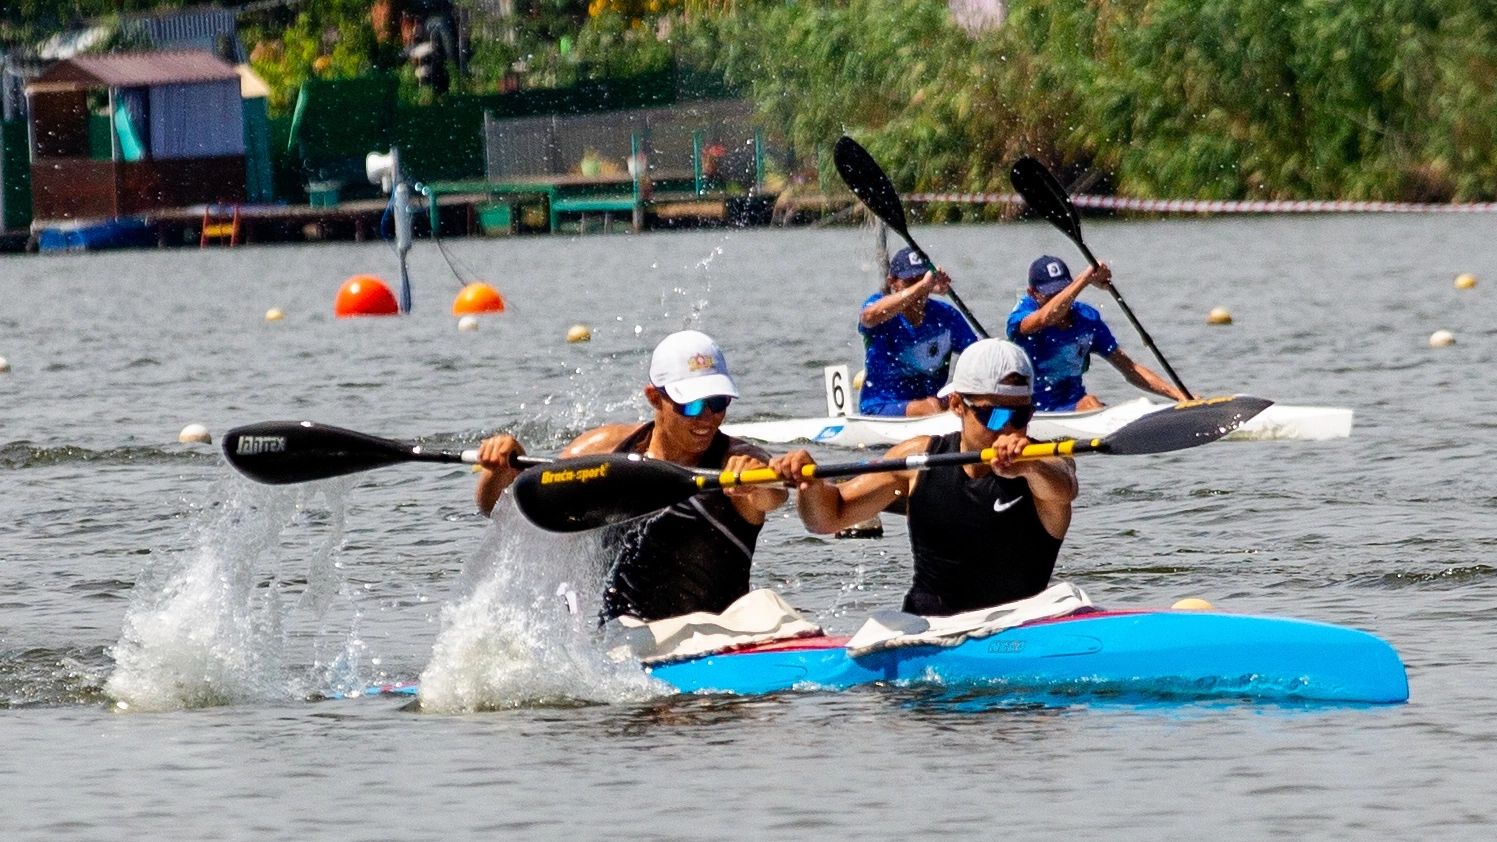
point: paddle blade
(1184, 425)
(866, 179)
(586, 492)
(1045, 196)
(281, 452)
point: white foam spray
(512, 639)
(206, 623)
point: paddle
(281, 452)
(1045, 195)
(586, 492)
(868, 182)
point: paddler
(908, 339)
(982, 534)
(1061, 333)
(695, 555)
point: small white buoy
(4, 365)
(857, 379)
(1192, 603)
(274, 314)
(579, 333)
(1465, 280)
(1219, 316)
(467, 323)
(195, 434)
(1441, 338)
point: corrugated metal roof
(130, 70)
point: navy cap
(907, 265)
(1049, 275)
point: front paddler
(982, 534)
(696, 554)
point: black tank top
(977, 542)
(693, 556)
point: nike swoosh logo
(1004, 505)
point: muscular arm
(753, 502)
(1053, 484)
(1142, 377)
(498, 473)
(825, 507)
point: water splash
(206, 623)
(511, 639)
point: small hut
(124, 133)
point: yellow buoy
(1219, 316)
(1192, 603)
(1441, 338)
(196, 434)
(274, 314)
(579, 333)
(1465, 280)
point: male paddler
(908, 339)
(1060, 333)
(695, 555)
(981, 534)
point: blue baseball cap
(907, 265)
(1049, 275)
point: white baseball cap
(981, 368)
(689, 366)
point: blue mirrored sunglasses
(716, 403)
(997, 417)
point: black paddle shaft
(868, 181)
(1045, 195)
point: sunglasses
(716, 403)
(997, 417)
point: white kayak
(1278, 422)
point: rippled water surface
(170, 633)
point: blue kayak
(1167, 654)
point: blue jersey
(1061, 354)
(906, 362)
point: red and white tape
(1214, 205)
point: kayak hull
(1165, 653)
(1278, 422)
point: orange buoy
(364, 295)
(477, 297)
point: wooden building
(125, 133)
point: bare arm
(1054, 311)
(496, 453)
(1052, 482)
(1143, 377)
(826, 507)
(753, 502)
(894, 303)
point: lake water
(167, 628)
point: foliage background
(1230, 99)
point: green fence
(338, 122)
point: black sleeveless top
(977, 542)
(693, 556)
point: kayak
(1277, 422)
(1166, 654)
